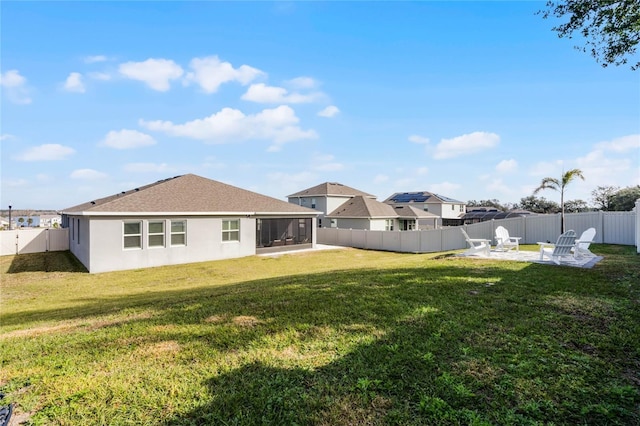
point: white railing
(611, 228)
(35, 240)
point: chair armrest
(585, 241)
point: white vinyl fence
(35, 240)
(611, 228)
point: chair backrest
(466, 236)
(565, 243)
(587, 235)
(502, 233)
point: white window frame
(388, 224)
(228, 231)
(125, 235)
(155, 234)
(183, 232)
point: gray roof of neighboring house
(330, 189)
(188, 194)
(367, 208)
(419, 197)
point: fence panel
(8, 241)
(58, 239)
(32, 241)
(619, 228)
(580, 222)
(611, 228)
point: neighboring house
(366, 213)
(325, 198)
(181, 220)
(449, 210)
(4, 223)
(50, 220)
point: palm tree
(560, 185)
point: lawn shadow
(51, 261)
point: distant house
(449, 210)
(366, 213)
(50, 220)
(183, 219)
(325, 198)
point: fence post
(46, 240)
(17, 241)
(638, 225)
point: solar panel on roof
(407, 197)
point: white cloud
(422, 171)
(507, 166)
(46, 152)
(100, 76)
(380, 179)
(14, 183)
(87, 174)
(209, 73)
(466, 145)
(155, 73)
(95, 58)
(498, 185)
(15, 86)
(445, 188)
(231, 125)
(419, 139)
(545, 169)
(329, 111)
(623, 144)
(325, 163)
(127, 139)
(261, 93)
(148, 168)
(6, 137)
(302, 83)
(74, 83)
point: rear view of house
(181, 220)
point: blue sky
(471, 100)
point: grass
(328, 338)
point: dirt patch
(214, 319)
(246, 321)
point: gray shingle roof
(367, 208)
(331, 188)
(188, 194)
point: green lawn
(330, 338)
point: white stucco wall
(204, 243)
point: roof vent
(137, 189)
(123, 192)
(93, 202)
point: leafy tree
(611, 27)
(538, 205)
(625, 199)
(601, 197)
(560, 185)
(576, 206)
(486, 203)
(21, 221)
(30, 221)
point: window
(178, 232)
(461, 207)
(132, 235)
(156, 234)
(231, 230)
(426, 208)
(78, 231)
(313, 203)
(453, 206)
(388, 225)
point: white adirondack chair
(561, 250)
(504, 242)
(581, 248)
(476, 245)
